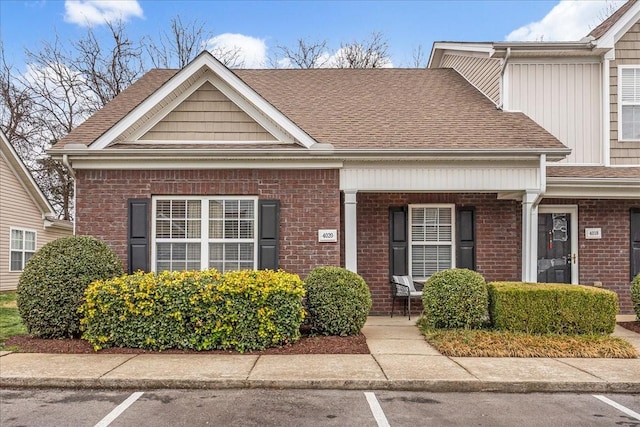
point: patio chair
(404, 287)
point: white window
(22, 246)
(629, 103)
(431, 247)
(197, 233)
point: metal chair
(404, 287)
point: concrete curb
(472, 386)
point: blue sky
(258, 26)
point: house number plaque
(327, 235)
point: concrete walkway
(400, 359)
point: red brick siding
(605, 260)
(309, 200)
(498, 241)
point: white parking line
(376, 409)
(618, 406)
(119, 410)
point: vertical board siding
(17, 209)
(483, 73)
(627, 53)
(207, 115)
(565, 100)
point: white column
(350, 231)
(530, 202)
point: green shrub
(635, 295)
(195, 310)
(541, 308)
(338, 301)
(53, 282)
(455, 298)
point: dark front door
(554, 248)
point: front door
(558, 244)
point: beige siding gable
(207, 115)
(18, 210)
(627, 53)
(483, 73)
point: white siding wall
(565, 99)
(443, 176)
(18, 210)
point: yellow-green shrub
(198, 310)
(635, 295)
(541, 308)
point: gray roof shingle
(363, 108)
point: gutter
(177, 153)
(502, 71)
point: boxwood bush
(455, 298)
(635, 295)
(540, 308)
(53, 282)
(338, 301)
(195, 310)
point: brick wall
(309, 199)
(605, 260)
(498, 225)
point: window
(199, 233)
(431, 231)
(629, 103)
(22, 247)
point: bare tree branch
(306, 54)
(371, 53)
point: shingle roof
(601, 29)
(593, 172)
(366, 108)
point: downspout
(502, 71)
(606, 107)
(67, 164)
(530, 202)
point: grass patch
(485, 343)
(10, 321)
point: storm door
(557, 250)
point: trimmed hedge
(455, 298)
(338, 301)
(541, 308)
(51, 287)
(195, 310)
(635, 295)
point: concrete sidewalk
(400, 359)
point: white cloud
(569, 20)
(248, 52)
(97, 12)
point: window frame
(410, 242)
(23, 251)
(621, 137)
(204, 238)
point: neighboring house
(383, 171)
(27, 219)
(587, 94)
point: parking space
(263, 407)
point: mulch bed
(355, 344)
(632, 326)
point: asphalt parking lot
(263, 407)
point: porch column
(530, 202)
(350, 231)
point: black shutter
(268, 234)
(635, 241)
(138, 235)
(466, 251)
(398, 242)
